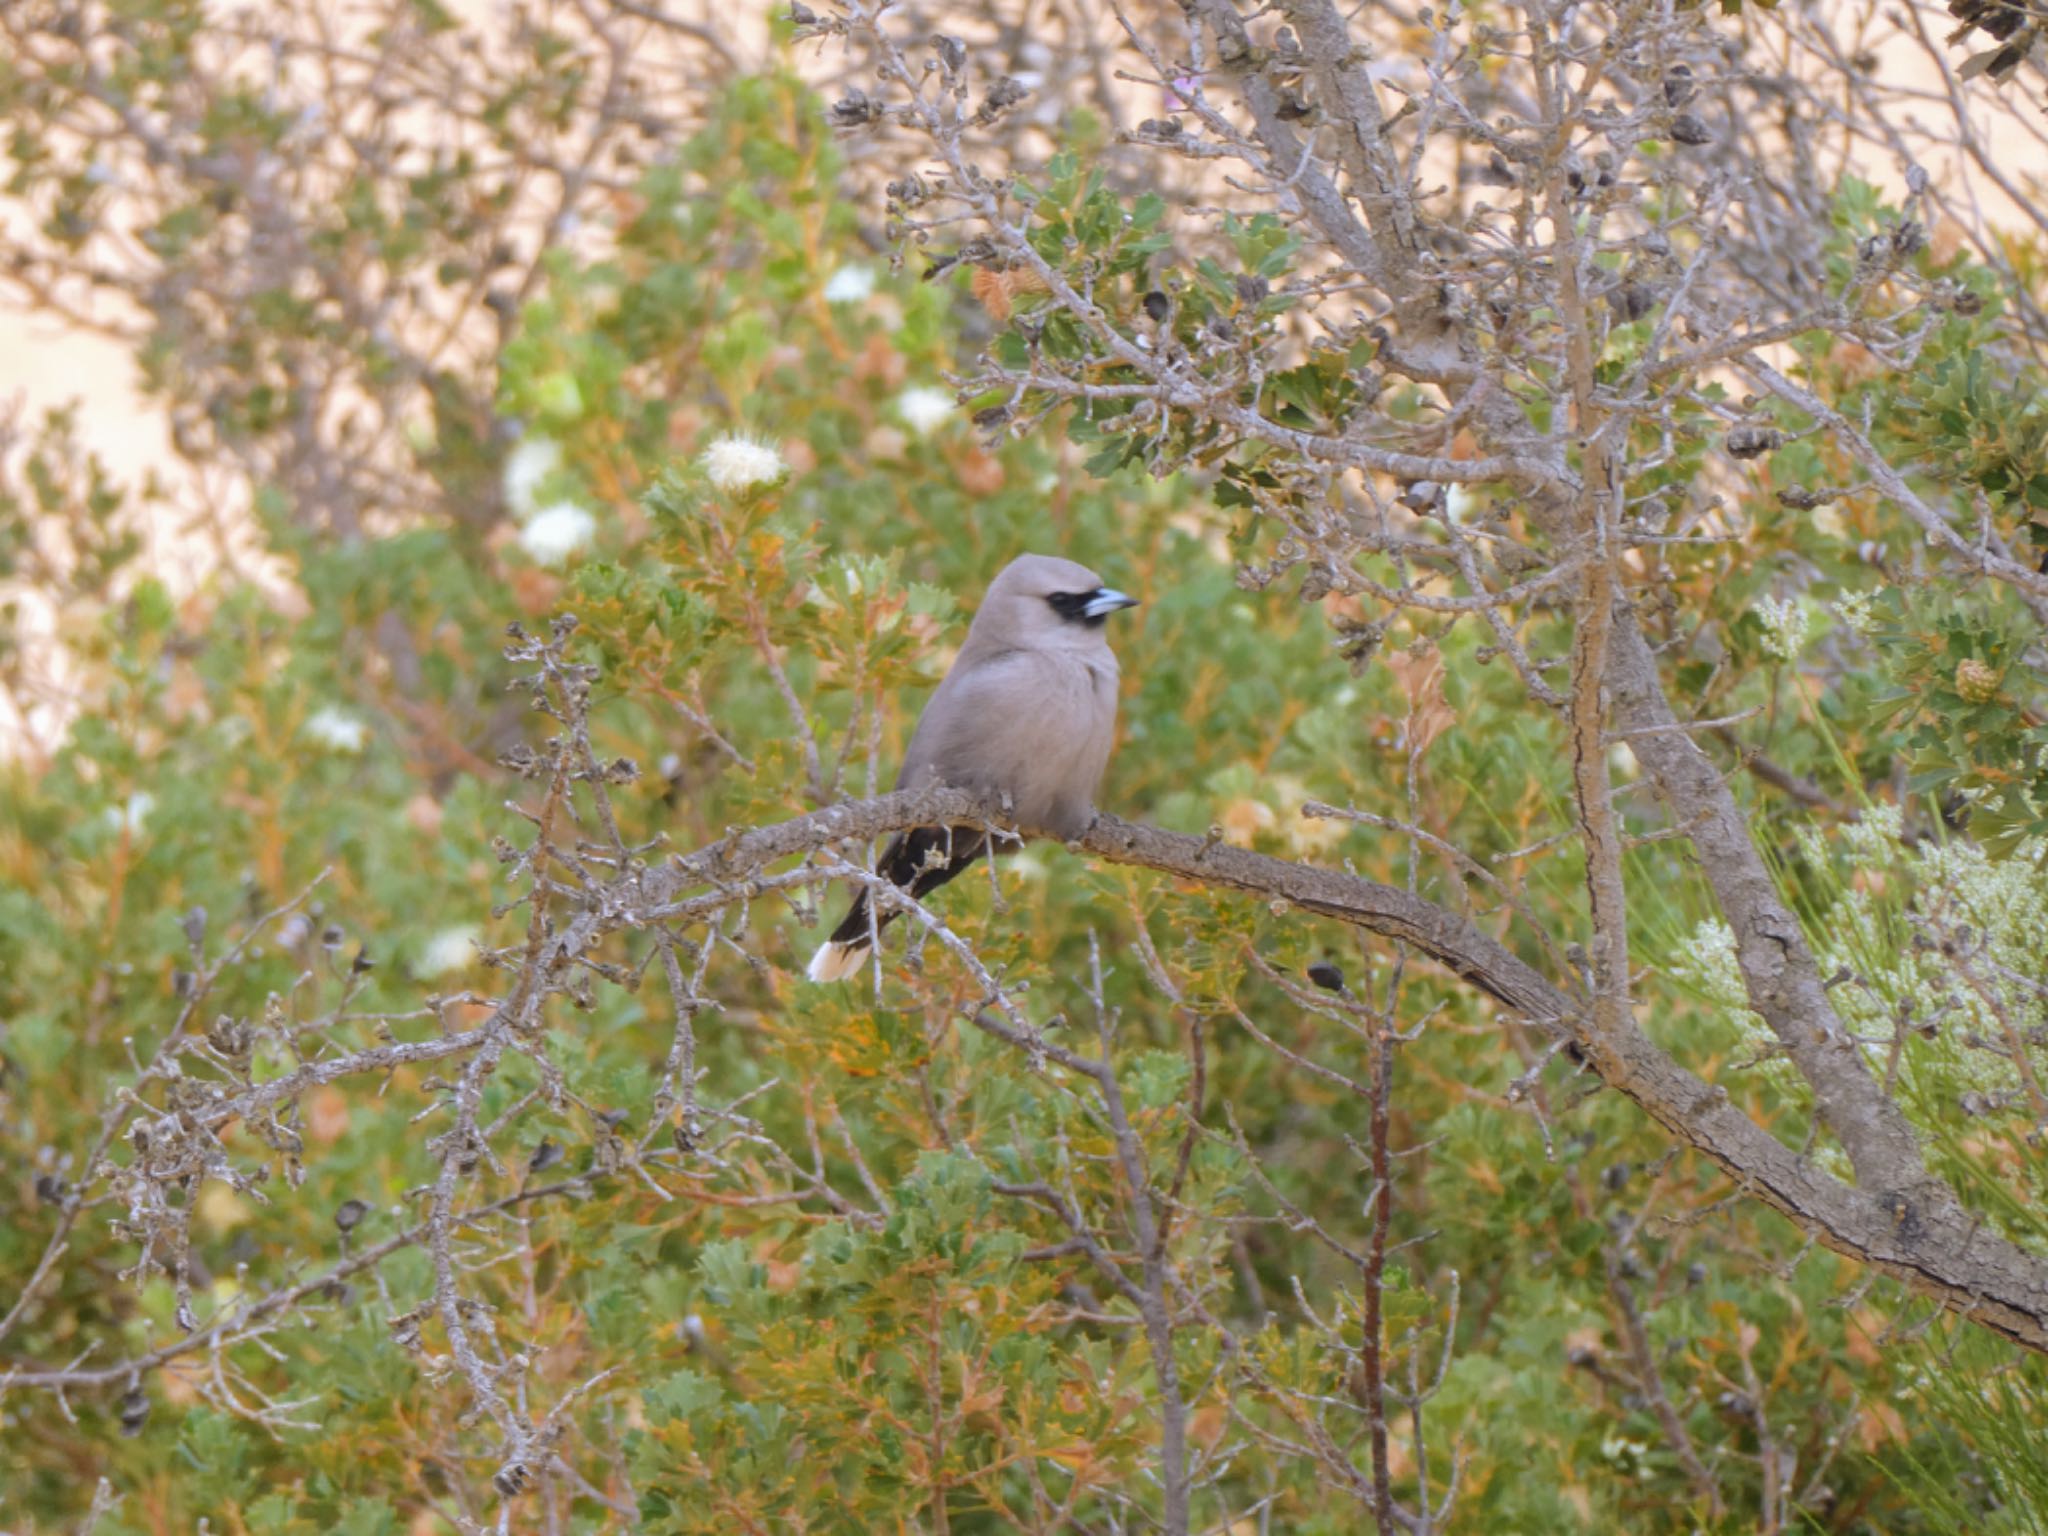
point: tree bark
(1914, 1229)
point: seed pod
(1753, 442)
(1736, 1405)
(1678, 85)
(350, 1213)
(134, 1411)
(1687, 129)
(1999, 18)
(1975, 681)
(1326, 976)
(2001, 65)
(1157, 307)
(1801, 499)
(511, 1480)
(1002, 96)
(230, 1036)
(1632, 301)
(856, 109)
(1496, 172)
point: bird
(1026, 715)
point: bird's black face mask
(1089, 608)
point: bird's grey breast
(1029, 724)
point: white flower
(1935, 930)
(924, 409)
(1857, 611)
(557, 533)
(1709, 963)
(1784, 626)
(452, 949)
(130, 817)
(849, 285)
(1874, 838)
(525, 468)
(336, 729)
(736, 463)
(1615, 1447)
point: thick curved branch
(1915, 1232)
(1778, 969)
(1898, 1216)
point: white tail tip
(837, 962)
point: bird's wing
(959, 738)
(1032, 726)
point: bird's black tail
(918, 861)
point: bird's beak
(1106, 600)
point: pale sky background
(45, 362)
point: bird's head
(1042, 602)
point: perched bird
(1025, 715)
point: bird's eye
(1089, 608)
